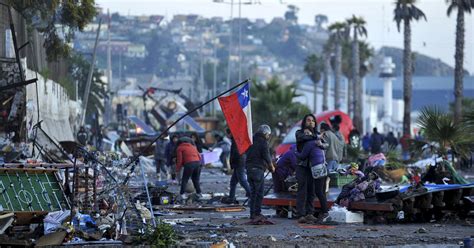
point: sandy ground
(214, 227)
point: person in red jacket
(188, 158)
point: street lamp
(230, 36)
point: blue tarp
(433, 187)
(139, 123)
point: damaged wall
(56, 110)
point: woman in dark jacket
(314, 154)
(304, 207)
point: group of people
(312, 148)
(375, 142)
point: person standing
(82, 136)
(392, 141)
(376, 142)
(170, 153)
(304, 177)
(225, 146)
(315, 155)
(237, 164)
(188, 158)
(333, 146)
(160, 157)
(257, 161)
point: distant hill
(424, 65)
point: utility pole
(107, 101)
(89, 77)
(240, 40)
(214, 80)
(229, 67)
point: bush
(163, 235)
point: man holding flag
(237, 112)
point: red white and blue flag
(238, 114)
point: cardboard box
(345, 216)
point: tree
(326, 71)
(47, 16)
(357, 26)
(78, 71)
(442, 133)
(319, 21)
(314, 66)
(291, 15)
(462, 6)
(273, 104)
(337, 30)
(406, 11)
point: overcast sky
(435, 38)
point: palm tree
(441, 133)
(319, 20)
(273, 104)
(314, 65)
(337, 30)
(462, 6)
(357, 26)
(326, 71)
(406, 11)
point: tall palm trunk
(350, 88)
(407, 73)
(327, 66)
(315, 98)
(458, 70)
(356, 80)
(337, 75)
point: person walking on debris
(188, 158)
(222, 143)
(376, 142)
(170, 153)
(160, 157)
(82, 136)
(334, 146)
(237, 163)
(258, 159)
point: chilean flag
(237, 112)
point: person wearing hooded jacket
(257, 161)
(188, 158)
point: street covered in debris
(257, 131)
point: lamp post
(229, 67)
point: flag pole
(182, 117)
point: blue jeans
(238, 176)
(332, 165)
(256, 181)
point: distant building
(136, 51)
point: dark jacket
(160, 150)
(301, 139)
(312, 152)
(170, 153)
(286, 164)
(258, 154)
(376, 142)
(236, 160)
